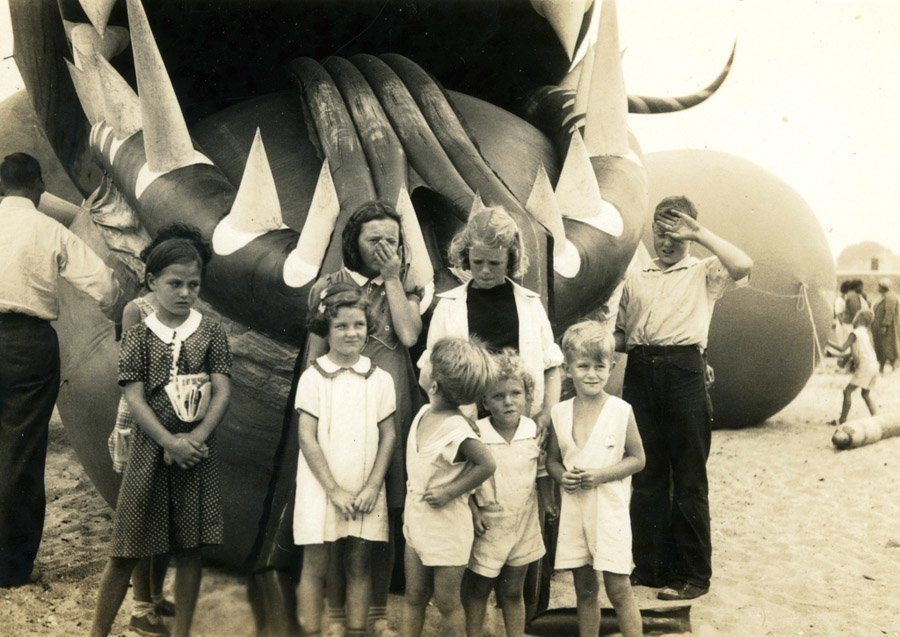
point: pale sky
(813, 96)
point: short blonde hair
(508, 365)
(461, 368)
(588, 338)
(494, 228)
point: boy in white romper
(445, 461)
(594, 450)
(505, 507)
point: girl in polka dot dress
(346, 407)
(175, 369)
(150, 573)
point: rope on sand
(802, 297)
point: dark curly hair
(176, 243)
(369, 211)
(330, 301)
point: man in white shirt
(35, 251)
(663, 323)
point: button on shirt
(673, 306)
(35, 251)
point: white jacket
(537, 348)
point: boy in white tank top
(595, 448)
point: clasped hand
(585, 479)
(185, 451)
(351, 505)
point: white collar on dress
(362, 279)
(527, 429)
(169, 335)
(361, 367)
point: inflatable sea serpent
(271, 178)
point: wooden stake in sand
(865, 431)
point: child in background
(175, 368)
(594, 450)
(445, 461)
(505, 507)
(864, 363)
(346, 407)
(150, 573)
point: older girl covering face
(496, 310)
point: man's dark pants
(666, 387)
(29, 384)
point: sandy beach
(806, 539)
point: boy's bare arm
(736, 261)
(481, 467)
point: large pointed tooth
(542, 204)
(606, 129)
(421, 272)
(565, 17)
(579, 195)
(589, 37)
(585, 78)
(477, 204)
(256, 209)
(86, 38)
(122, 108)
(304, 262)
(98, 12)
(87, 88)
(167, 142)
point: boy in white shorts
(505, 507)
(595, 448)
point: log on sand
(865, 431)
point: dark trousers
(29, 383)
(669, 504)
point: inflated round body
(762, 340)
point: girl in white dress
(864, 363)
(346, 410)
(445, 461)
(595, 448)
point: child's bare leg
(336, 585)
(188, 571)
(312, 586)
(159, 564)
(140, 580)
(510, 595)
(867, 397)
(447, 580)
(419, 588)
(618, 589)
(113, 586)
(382, 569)
(848, 399)
(587, 605)
(357, 561)
(475, 591)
